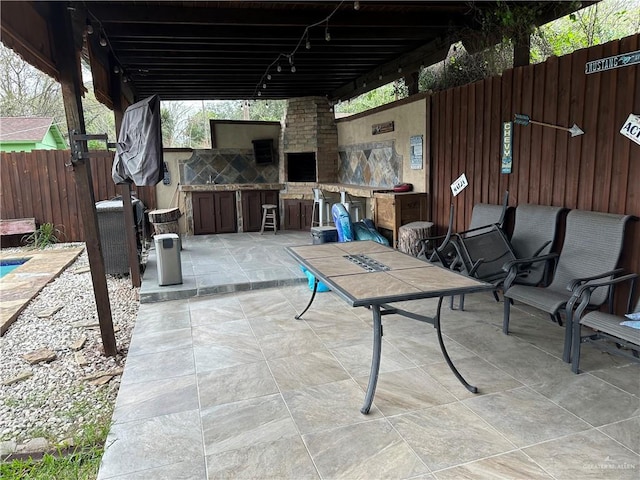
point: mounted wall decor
(631, 128)
(507, 147)
(415, 151)
(382, 128)
(521, 119)
(609, 63)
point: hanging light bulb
(308, 44)
(293, 69)
(279, 68)
(259, 94)
(268, 76)
(264, 85)
(364, 84)
(103, 40)
(380, 77)
(125, 79)
(89, 27)
(399, 69)
(356, 5)
(116, 69)
(327, 35)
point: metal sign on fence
(507, 147)
(609, 63)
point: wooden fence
(41, 184)
(597, 171)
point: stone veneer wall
(309, 126)
(228, 165)
(375, 164)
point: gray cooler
(324, 235)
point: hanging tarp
(138, 158)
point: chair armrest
(539, 251)
(511, 267)
(577, 282)
(583, 292)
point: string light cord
(289, 56)
(103, 33)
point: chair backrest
(592, 245)
(533, 234)
(483, 255)
(488, 214)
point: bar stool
(323, 208)
(354, 207)
(269, 217)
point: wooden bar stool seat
(269, 217)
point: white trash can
(168, 258)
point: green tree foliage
(25, 91)
(374, 98)
(599, 23)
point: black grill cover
(138, 156)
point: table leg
(375, 359)
(469, 387)
(313, 295)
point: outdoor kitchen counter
(353, 190)
(223, 187)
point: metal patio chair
(604, 328)
(534, 234)
(483, 215)
(592, 246)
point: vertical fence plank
(576, 115)
(549, 135)
(478, 142)
(562, 116)
(591, 98)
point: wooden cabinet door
(251, 211)
(306, 213)
(298, 214)
(225, 208)
(203, 213)
(292, 215)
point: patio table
(368, 274)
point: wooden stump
(164, 215)
(409, 234)
(165, 220)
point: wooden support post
(68, 63)
(130, 232)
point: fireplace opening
(301, 167)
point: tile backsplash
(375, 164)
(222, 166)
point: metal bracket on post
(78, 154)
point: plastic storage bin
(168, 258)
(324, 235)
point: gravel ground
(59, 398)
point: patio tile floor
(232, 386)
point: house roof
(29, 129)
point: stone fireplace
(309, 129)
